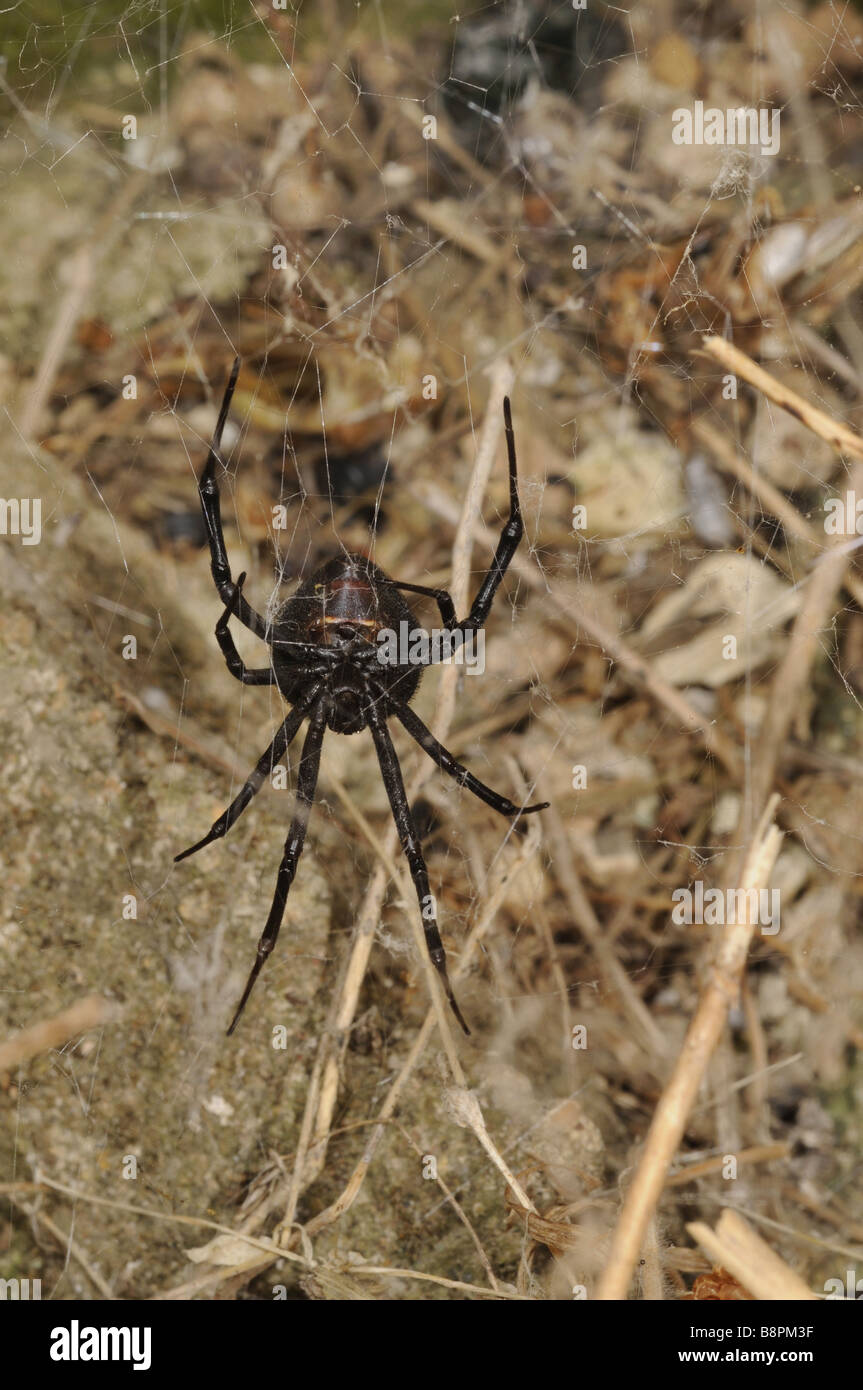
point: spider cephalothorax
(328, 663)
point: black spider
(325, 661)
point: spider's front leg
(510, 538)
(263, 675)
(208, 490)
(442, 598)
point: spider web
(383, 213)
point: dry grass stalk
(92, 1012)
(669, 1121)
(845, 440)
(820, 594)
(772, 500)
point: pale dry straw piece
(736, 1247)
(845, 440)
(52, 1033)
(669, 1120)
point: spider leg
(510, 536)
(306, 650)
(255, 780)
(508, 544)
(313, 652)
(447, 763)
(208, 490)
(442, 598)
(237, 667)
(307, 779)
(410, 843)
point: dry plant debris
(395, 227)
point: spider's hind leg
(410, 843)
(307, 780)
(253, 782)
(447, 763)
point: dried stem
(669, 1121)
(92, 1012)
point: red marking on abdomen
(349, 584)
